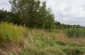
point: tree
(33, 12)
(5, 16)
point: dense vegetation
(10, 33)
(75, 32)
(45, 42)
(30, 29)
(33, 13)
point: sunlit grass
(45, 42)
(40, 42)
(11, 34)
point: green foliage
(43, 42)
(59, 25)
(31, 51)
(4, 15)
(8, 16)
(35, 14)
(73, 51)
(10, 33)
(75, 32)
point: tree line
(31, 13)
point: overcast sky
(65, 11)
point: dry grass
(59, 36)
(45, 42)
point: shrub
(73, 52)
(75, 32)
(10, 33)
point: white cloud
(68, 11)
(5, 4)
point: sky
(65, 11)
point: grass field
(52, 42)
(38, 42)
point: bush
(75, 32)
(73, 52)
(10, 33)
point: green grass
(10, 33)
(75, 32)
(38, 41)
(45, 42)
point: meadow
(19, 40)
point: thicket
(10, 33)
(33, 13)
(59, 25)
(75, 32)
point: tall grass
(10, 33)
(75, 32)
(45, 42)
